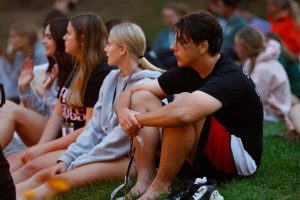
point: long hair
(133, 37)
(91, 28)
(252, 39)
(58, 28)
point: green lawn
(277, 178)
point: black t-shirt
(77, 116)
(241, 112)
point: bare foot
(154, 191)
(139, 188)
(143, 183)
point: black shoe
(176, 195)
(201, 189)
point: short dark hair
(198, 27)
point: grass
(277, 178)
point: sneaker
(176, 195)
(205, 192)
(200, 189)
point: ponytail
(147, 65)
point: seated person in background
(60, 8)
(292, 68)
(231, 22)
(284, 18)
(245, 10)
(75, 99)
(100, 152)
(60, 65)
(260, 62)
(171, 12)
(23, 43)
(214, 125)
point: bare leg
(14, 161)
(178, 144)
(27, 123)
(35, 181)
(145, 155)
(36, 165)
(78, 177)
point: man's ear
(203, 46)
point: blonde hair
(254, 41)
(91, 27)
(133, 37)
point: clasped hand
(128, 122)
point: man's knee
(142, 99)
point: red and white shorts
(222, 152)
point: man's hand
(129, 122)
(26, 75)
(60, 168)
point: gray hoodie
(103, 139)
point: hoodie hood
(272, 52)
(139, 75)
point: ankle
(160, 186)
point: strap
(127, 181)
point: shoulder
(228, 75)
(145, 75)
(227, 66)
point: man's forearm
(168, 116)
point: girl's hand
(51, 77)
(60, 168)
(32, 153)
(26, 75)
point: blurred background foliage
(144, 12)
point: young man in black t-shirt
(213, 127)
